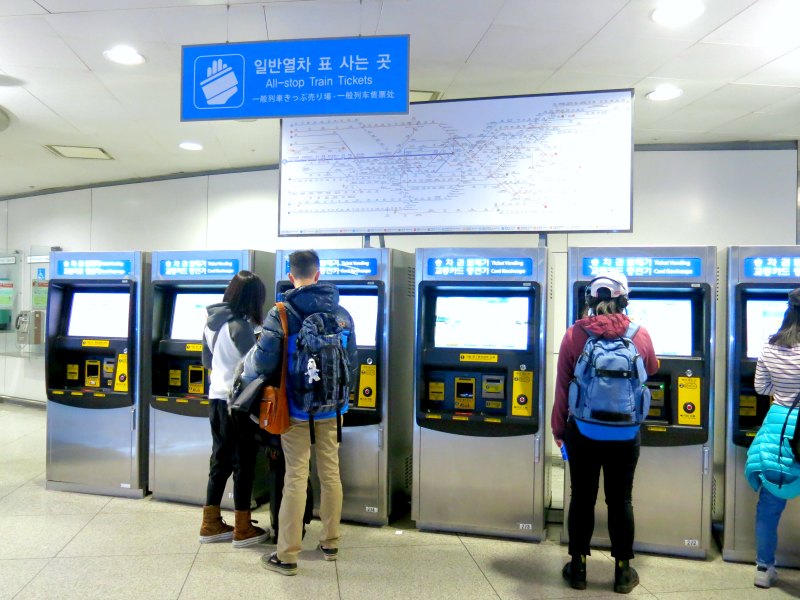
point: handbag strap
(285, 324)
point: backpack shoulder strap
(292, 310)
(631, 331)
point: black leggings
(231, 453)
(618, 460)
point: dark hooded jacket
(265, 357)
(607, 326)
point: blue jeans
(768, 515)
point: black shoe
(271, 563)
(625, 579)
(575, 573)
(328, 553)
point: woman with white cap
(591, 447)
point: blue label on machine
(480, 266)
(294, 78)
(640, 266)
(93, 267)
(772, 266)
(359, 267)
(199, 267)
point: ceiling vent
(80, 152)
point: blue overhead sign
(199, 267)
(93, 267)
(643, 266)
(480, 266)
(295, 78)
(772, 266)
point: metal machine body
(759, 279)
(479, 391)
(679, 285)
(184, 282)
(376, 287)
(96, 354)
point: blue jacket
(768, 463)
(265, 357)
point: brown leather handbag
(274, 407)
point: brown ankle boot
(214, 529)
(245, 534)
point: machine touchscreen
(364, 310)
(487, 322)
(764, 318)
(99, 314)
(667, 320)
(189, 316)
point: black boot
(625, 577)
(575, 572)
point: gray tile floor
(62, 545)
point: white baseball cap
(614, 282)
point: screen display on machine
(488, 322)
(189, 317)
(668, 321)
(764, 317)
(364, 310)
(99, 314)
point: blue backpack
(608, 384)
(319, 369)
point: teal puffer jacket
(780, 475)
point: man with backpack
(600, 403)
(322, 357)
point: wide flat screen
(99, 314)
(524, 163)
(190, 315)
(486, 322)
(364, 310)
(764, 318)
(668, 321)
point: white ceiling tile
(721, 62)
(627, 56)
(30, 42)
(745, 97)
(482, 81)
(247, 23)
(571, 81)
(313, 19)
(64, 6)
(514, 48)
(784, 71)
(788, 107)
(579, 16)
(20, 7)
(698, 119)
(764, 23)
(760, 126)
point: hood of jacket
(317, 297)
(218, 315)
(606, 326)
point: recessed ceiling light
(193, 146)
(124, 55)
(664, 92)
(674, 13)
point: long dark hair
(789, 333)
(246, 295)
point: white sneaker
(765, 577)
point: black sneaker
(271, 563)
(328, 553)
(576, 577)
(625, 580)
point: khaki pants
(296, 445)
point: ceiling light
(193, 146)
(674, 13)
(664, 92)
(79, 152)
(124, 55)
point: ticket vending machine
(184, 284)
(759, 279)
(96, 357)
(376, 286)
(479, 391)
(673, 295)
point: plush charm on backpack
(319, 369)
(608, 384)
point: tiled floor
(58, 545)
